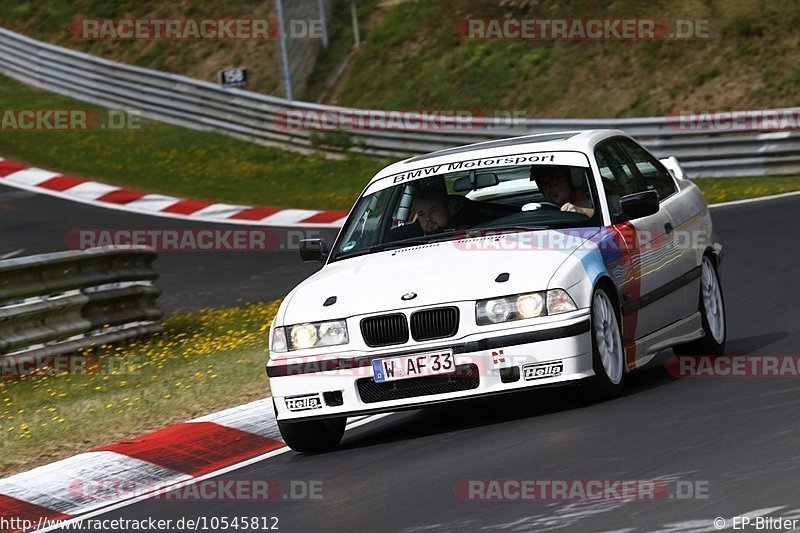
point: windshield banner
(575, 159)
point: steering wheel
(544, 204)
(551, 205)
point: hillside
(50, 21)
(415, 59)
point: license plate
(413, 366)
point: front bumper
(344, 385)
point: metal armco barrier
(263, 119)
(56, 303)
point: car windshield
(435, 208)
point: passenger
(556, 186)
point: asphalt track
(36, 223)
(738, 438)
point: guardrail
(261, 118)
(56, 303)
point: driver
(555, 184)
(431, 208)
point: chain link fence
(303, 34)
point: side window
(655, 176)
(618, 177)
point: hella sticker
(303, 403)
(542, 370)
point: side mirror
(640, 204)
(313, 250)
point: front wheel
(608, 353)
(313, 435)
(712, 313)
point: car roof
(572, 141)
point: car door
(684, 214)
(651, 260)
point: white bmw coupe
(493, 268)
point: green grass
(340, 43)
(182, 162)
(187, 163)
(728, 189)
(413, 58)
(202, 362)
(50, 20)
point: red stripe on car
(631, 285)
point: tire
(313, 435)
(608, 352)
(712, 314)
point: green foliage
(182, 162)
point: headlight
(310, 335)
(332, 333)
(303, 336)
(498, 310)
(522, 306)
(530, 305)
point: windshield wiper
(398, 244)
(417, 241)
(513, 228)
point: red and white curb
(16, 174)
(123, 473)
(157, 460)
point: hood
(437, 273)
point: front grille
(465, 378)
(385, 330)
(434, 323)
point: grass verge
(718, 190)
(182, 162)
(203, 362)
